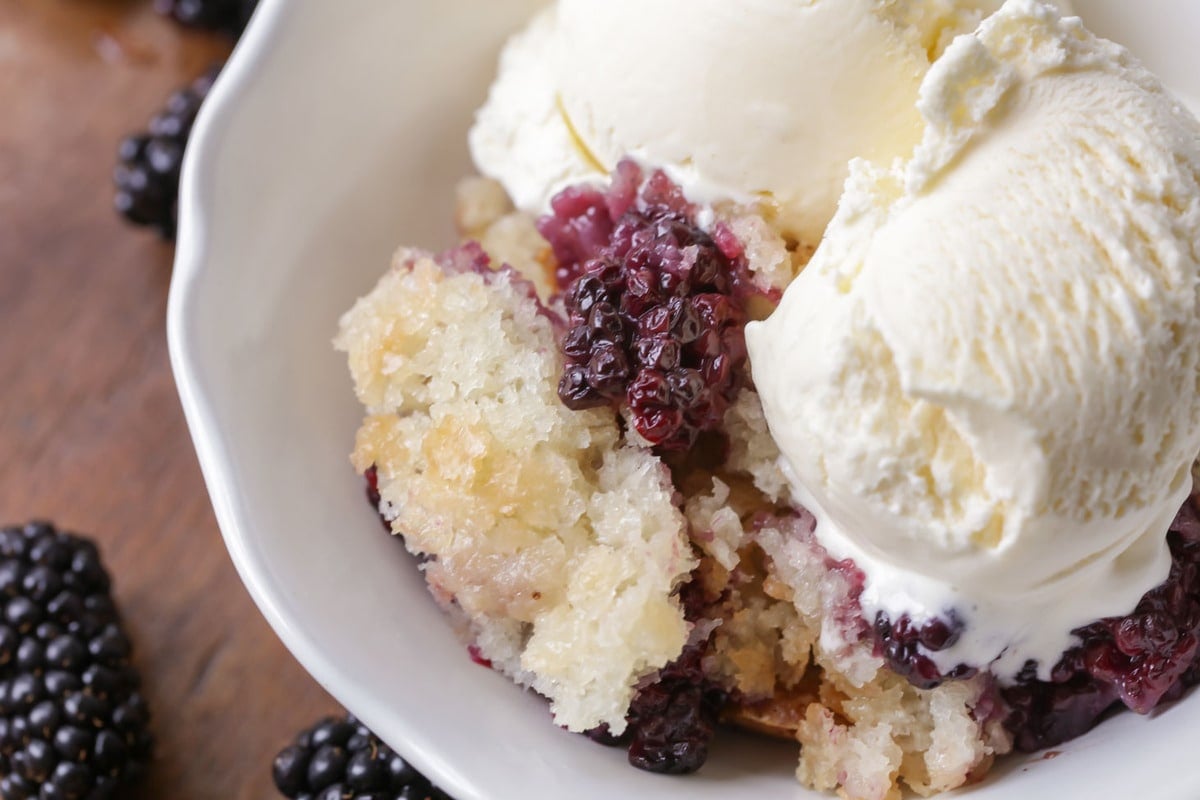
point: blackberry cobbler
(591, 479)
(586, 425)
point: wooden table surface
(92, 436)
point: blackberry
(905, 646)
(73, 724)
(340, 759)
(671, 721)
(371, 477)
(655, 313)
(1141, 660)
(148, 163)
(230, 16)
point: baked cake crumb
(772, 265)
(478, 203)
(752, 451)
(484, 214)
(537, 521)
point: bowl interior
(332, 138)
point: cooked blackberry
(230, 16)
(73, 724)
(905, 646)
(1140, 660)
(656, 321)
(340, 759)
(148, 163)
(672, 720)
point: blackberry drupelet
(73, 724)
(340, 759)
(230, 16)
(147, 172)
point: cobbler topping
(469, 258)
(655, 315)
(843, 604)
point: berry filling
(901, 644)
(655, 312)
(146, 176)
(1139, 660)
(672, 720)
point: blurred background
(91, 433)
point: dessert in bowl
(729, 509)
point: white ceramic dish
(336, 133)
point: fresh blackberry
(673, 720)
(339, 759)
(73, 724)
(148, 163)
(230, 16)
(655, 314)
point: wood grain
(91, 432)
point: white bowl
(335, 134)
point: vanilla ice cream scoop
(763, 100)
(986, 383)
